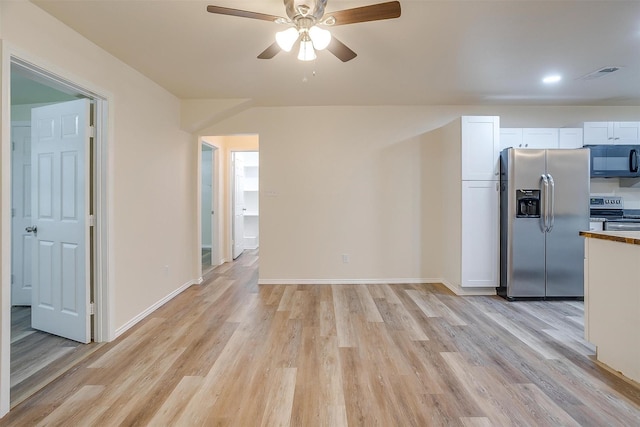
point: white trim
(104, 205)
(404, 281)
(458, 290)
(131, 323)
(199, 281)
(5, 231)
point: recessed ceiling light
(552, 79)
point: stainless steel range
(610, 209)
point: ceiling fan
(306, 18)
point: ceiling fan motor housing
(313, 8)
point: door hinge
(13, 146)
(92, 220)
(92, 131)
(13, 212)
(13, 279)
(92, 308)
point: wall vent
(605, 71)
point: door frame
(215, 240)
(103, 326)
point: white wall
(613, 187)
(152, 186)
(363, 181)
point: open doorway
(246, 187)
(228, 191)
(57, 218)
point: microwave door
(611, 161)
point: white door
(60, 209)
(21, 242)
(238, 206)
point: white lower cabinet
(480, 233)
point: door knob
(32, 229)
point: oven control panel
(606, 202)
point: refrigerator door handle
(552, 197)
(544, 189)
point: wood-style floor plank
(232, 353)
(37, 358)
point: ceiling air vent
(599, 73)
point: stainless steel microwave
(614, 161)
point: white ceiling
(437, 52)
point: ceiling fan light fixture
(307, 52)
(287, 38)
(320, 37)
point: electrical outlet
(345, 258)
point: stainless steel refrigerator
(544, 204)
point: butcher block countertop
(630, 237)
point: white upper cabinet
(480, 148)
(510, 137)
(611, 133)
(540, 138)
(570, 138)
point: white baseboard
(131, 323)
(404, 281)
(199, 281)
(459, 290)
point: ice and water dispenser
(528, 203)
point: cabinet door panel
(510, 137)
(598, 133)
(627, 133)
(480, 222)
(570, 138)
(480, 147)
(540, 138)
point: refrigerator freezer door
(565, 248)
(523, 247)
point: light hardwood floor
(37, 358)
(230, 352)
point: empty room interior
(319, 213)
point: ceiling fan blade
(241, 13)
(270, 52)
(375, 12)
(341, 50)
